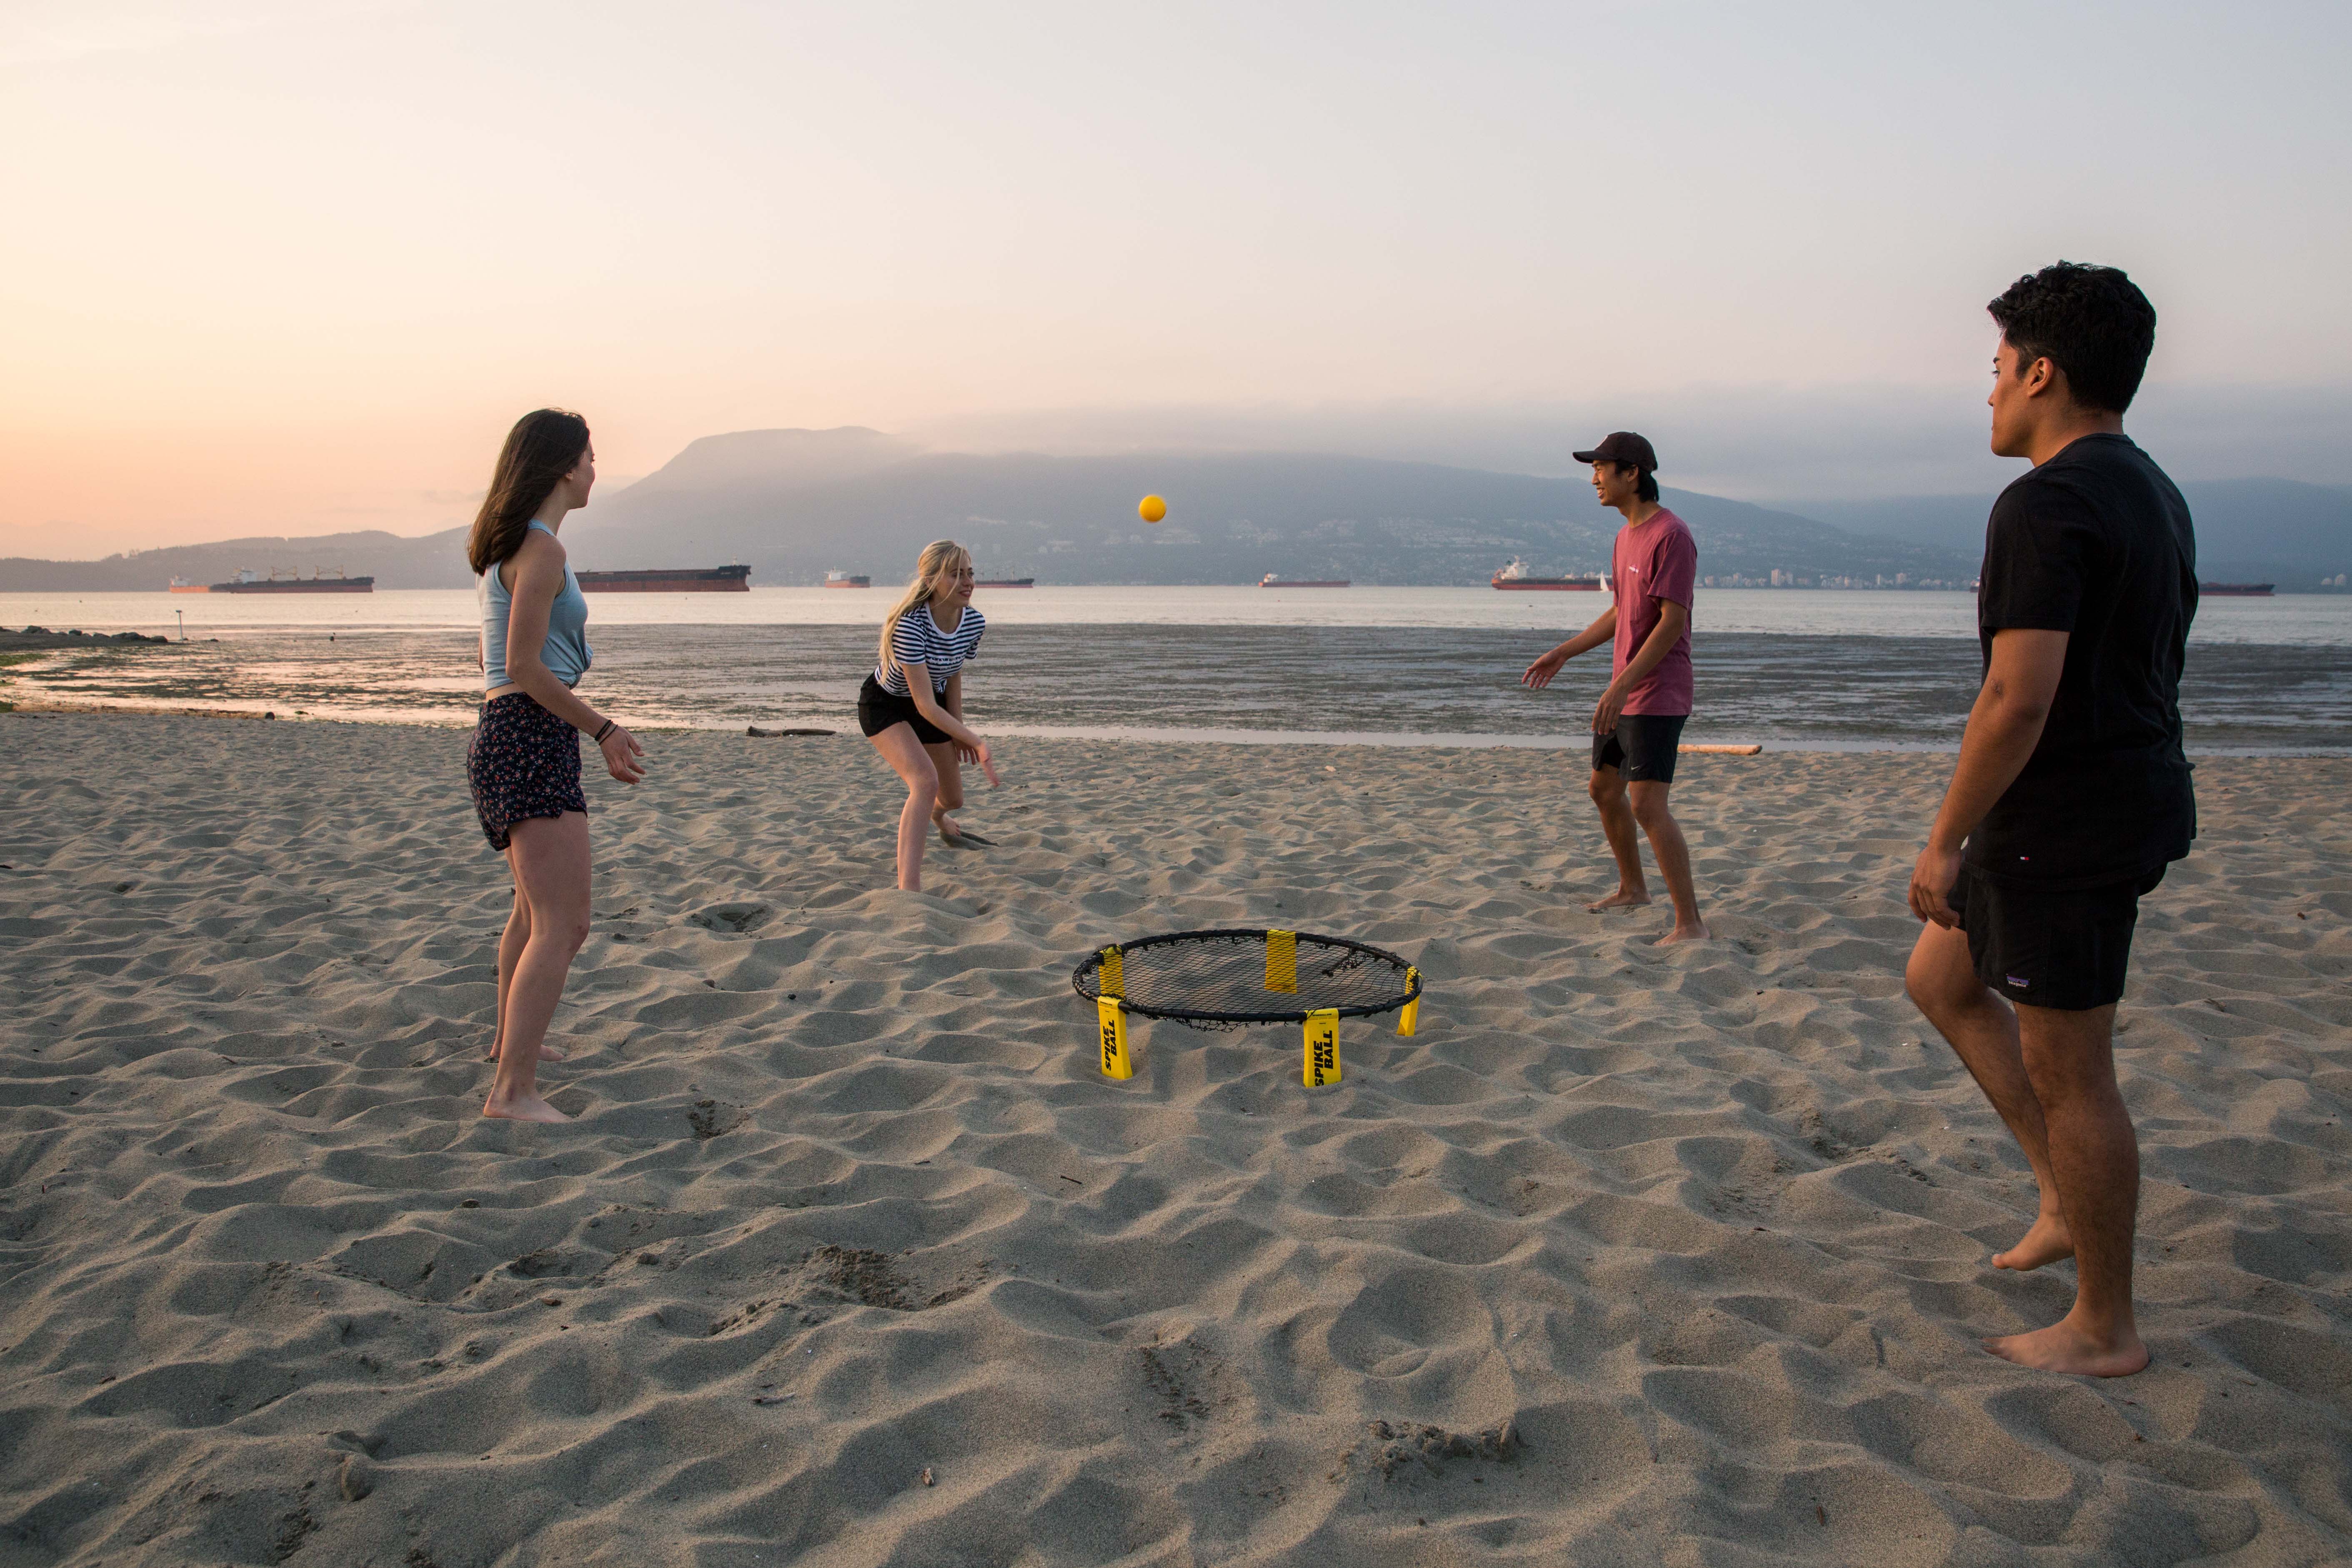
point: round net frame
(1226, 979)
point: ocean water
(1784, 668)
(2293, 618)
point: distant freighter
(1516, 575)
(2237, 590)
(1271, 580)
(846, 580)
(1008, 582)
(669, 580)
(252, 582)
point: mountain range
(795, 504)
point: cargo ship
(251, 582)
(847, 580)
(1271, 580)
(1517, 576)
(1007, 583)
(2236, 590)
(669, 580)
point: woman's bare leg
(511, 945)
(911, 762)
(551, 862)
(950, 772)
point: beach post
(1322, 1046)
(1117, 1060)
(1409, 1016)
(1282, 961)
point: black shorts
(2064, 950)
(524, 762)
(1642, 748)
(879, 709)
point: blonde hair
(939, 556)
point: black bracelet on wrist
(599, 736)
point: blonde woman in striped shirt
(911, 707)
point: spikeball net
(1231, 979)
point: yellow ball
(1152, 509)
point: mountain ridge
(795, 503)
(1234, 516)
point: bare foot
(1622, 898)
(522, 1107)
(1696, 932)
(950, 834)
(2062, 1347)
(547, 1053)
(2046, 1242)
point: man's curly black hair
(2092, 321)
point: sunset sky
(294, 267)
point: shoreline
(1372, 688)
(1395, 740)
(1895, 614)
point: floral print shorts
(524, 763)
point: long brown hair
(545, 445)
(941, 555)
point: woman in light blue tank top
(524, 763)
(565, 652)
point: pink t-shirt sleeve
(1674, 567)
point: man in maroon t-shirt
(1638, 722)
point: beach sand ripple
(852, 1257)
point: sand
(853, 1257)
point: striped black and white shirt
(919, 640)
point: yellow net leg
(1322, 1048)
(1408, 1019)
(1282, 961)
(1117, 1060)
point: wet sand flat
(853, 1257)
(1377, 678)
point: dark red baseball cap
(1622, 446)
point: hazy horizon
(293, 269)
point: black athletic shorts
(1642, 748)
(2063, 950)
(877, 709)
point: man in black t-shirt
(2072, 793)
